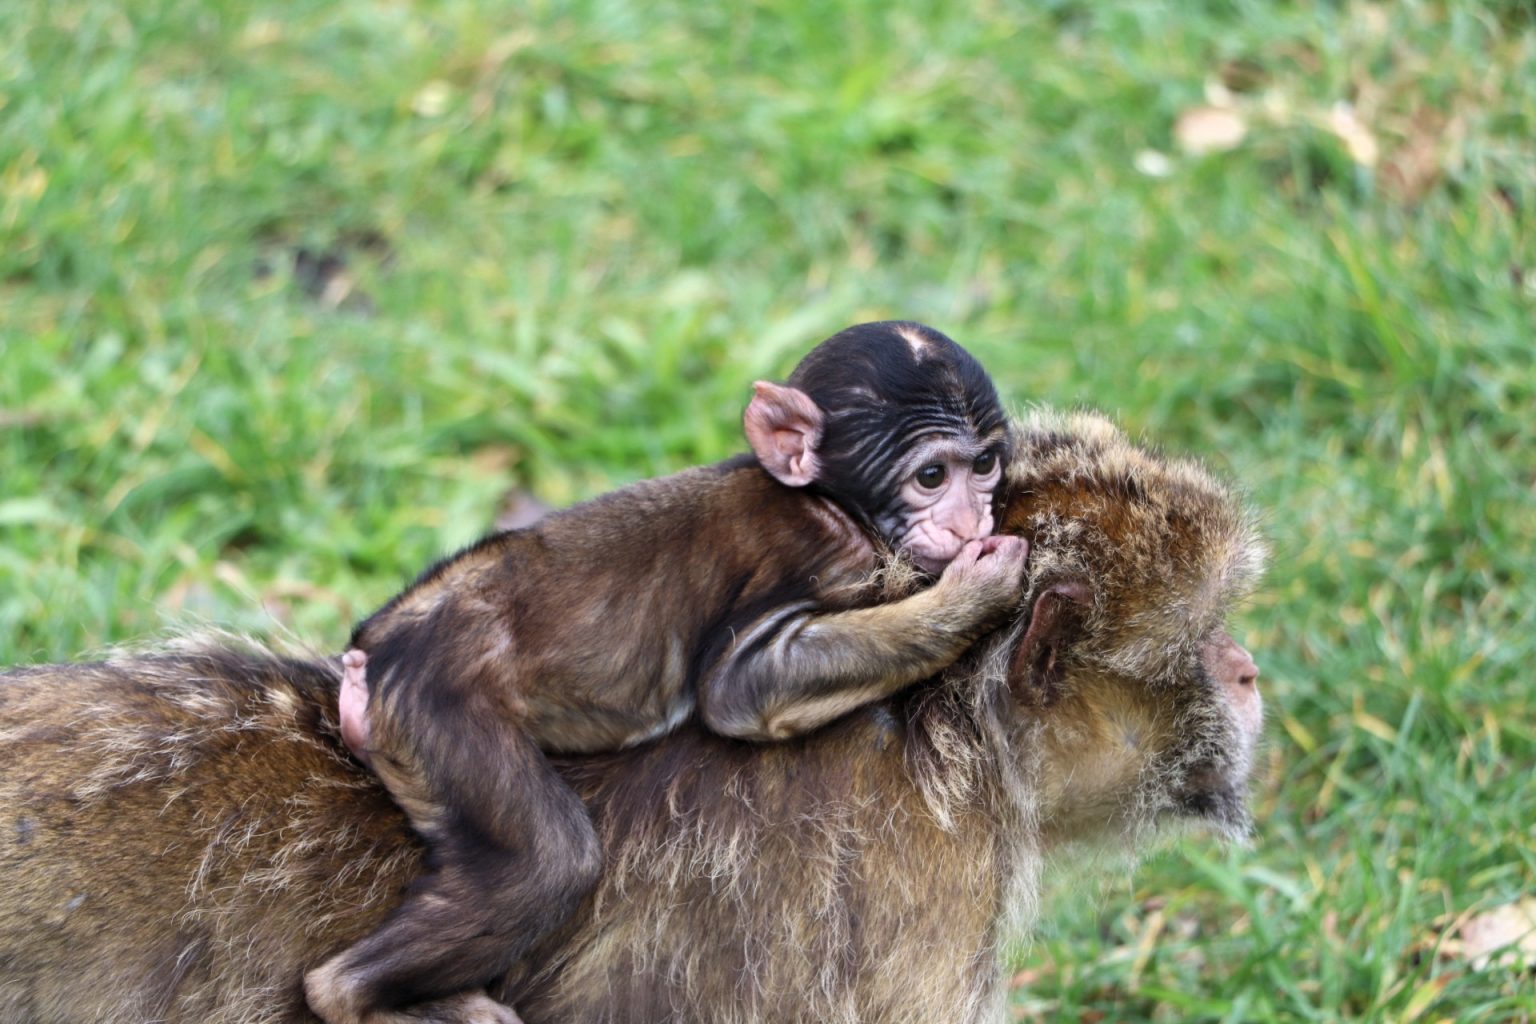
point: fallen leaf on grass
(1418, 164)
(1209, 130)
(1357, 138)
(1153, 164)
(1502, 937)
(432, 99)
(22, 418)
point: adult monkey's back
(181, 836)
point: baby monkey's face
(947, 491)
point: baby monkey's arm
(795, 669)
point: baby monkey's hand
(988, 571)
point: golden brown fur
(181, 836)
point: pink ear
(783, 427)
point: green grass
(574, 233)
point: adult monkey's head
(897, 424)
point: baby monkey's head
(897, 424)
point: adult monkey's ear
(783, 427)
(1055, 620)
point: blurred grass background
(291, 294)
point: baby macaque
(742, 593)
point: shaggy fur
(182, 834)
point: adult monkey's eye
(931, 476)
(985, 463)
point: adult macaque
(742, 591)
(181, 836)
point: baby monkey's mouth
(931, 550)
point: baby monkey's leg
(512, 854)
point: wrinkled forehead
(951, 411)
(906, 434)
(953, 446)
(918, 407)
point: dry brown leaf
(1209, 130)
(494, 459)
(1418, 164)
(1357, 138)
(18, 418)
(1502, 937)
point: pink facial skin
(950, 498)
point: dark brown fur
(740, 594)
(182, 835)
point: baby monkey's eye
(985, 463)
(930, 476)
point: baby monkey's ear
(783, 427)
